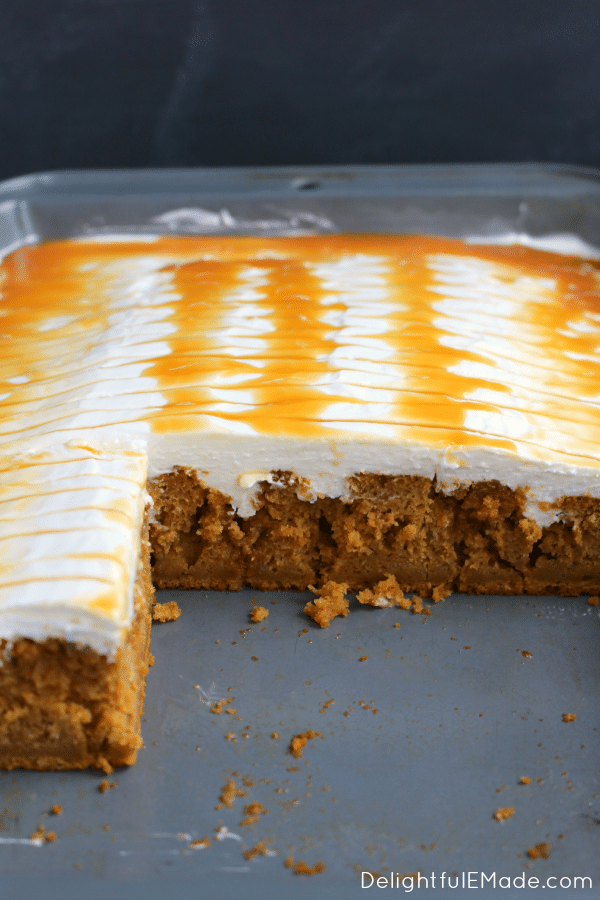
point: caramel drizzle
(254, 341)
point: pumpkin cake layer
(476, 539)
(346, 410)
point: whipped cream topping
(327, 356)
(70, 521)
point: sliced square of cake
(75, 600)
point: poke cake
(373, 414)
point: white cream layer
(70, 524)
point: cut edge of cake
(64, 705)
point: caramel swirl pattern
(306, 337)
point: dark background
(104, 83)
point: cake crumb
(299, 741)
(199, 844)
(417, 604)
(258, 614)
(362, 658)
(330, 602)
(385, 593)
(275, 735)
(569, 717)
(542, 850)
(388, 593)
(218, 707)
(441, 592)
(525, 779)
(302, 868)
(260, 849)
(38, 834)
(231, 736)
(56, 809)
(166, 612)
(505, 812)
(105, 765)
(105, 785)
(228, 794)
(253, 813)
(593, 601)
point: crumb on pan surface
(166, 612)
(259, 614)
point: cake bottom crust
(63, 706)
(477, 539)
